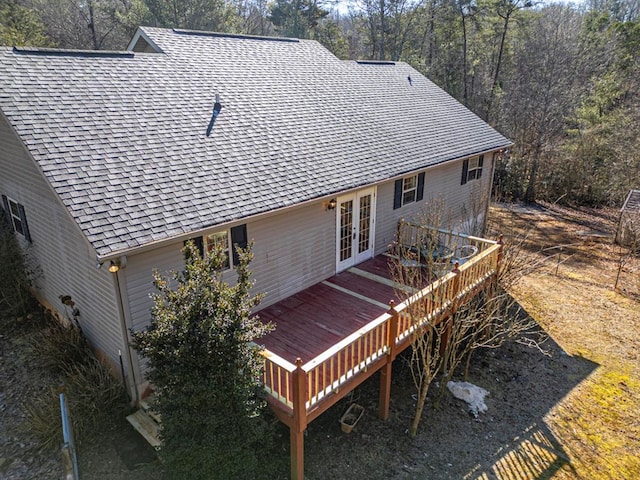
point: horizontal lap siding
(292, 251)
(297, 248)
(139, 278)
(62, 261)
(460, 204)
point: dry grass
(572, 297)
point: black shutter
(7, 213)
(238, 239)
(465, 171)
(199, 243)
(480, 162)
(23, 219)
(420, 192)
(397, 196)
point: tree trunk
(422, 397)
(496, 74)
(92, 27)
(464, 58)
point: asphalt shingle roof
(121, 137)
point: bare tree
(447, 329)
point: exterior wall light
(332, 204)
(116, 264)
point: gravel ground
(21, 379)
(116, 452)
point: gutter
(194, 233)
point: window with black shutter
(408, 190)
(226, 241)
(472, 169)
(16, 218)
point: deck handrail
(346, 342)
(277, 377)
(448, 232)
(366, 345)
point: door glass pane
(346, 225)
(365, 224)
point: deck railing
(365, 348)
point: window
(219, 240)
(226, 240)
(16, 217)
(472, 169)
(409, 186)
(408, 190)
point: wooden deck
(331, 337)
(315, 319)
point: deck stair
(147, 423)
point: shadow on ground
(510, 441)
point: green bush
(61, 348)
(93, 394)
(206, 371)
(14, 282)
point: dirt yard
(571, 411)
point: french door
(355, 228)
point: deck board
(316, 318)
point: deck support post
(385, 371)
(299, 424)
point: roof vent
(374, 62)
(216, 111)
(409, 80)
(234, 35)
(72, 53)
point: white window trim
(15, 216)
(208, 246)
(405, 190)
(473, 169)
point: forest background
(560, 80)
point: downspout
(122, 263)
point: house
(110, 161)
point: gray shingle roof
(121, 138)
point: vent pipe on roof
(409, 79)
(216, 110)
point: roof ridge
(72, 52)
(204, 33)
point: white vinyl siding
(62, 261)
(296, 248)
(461, 204)
(292, 251)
